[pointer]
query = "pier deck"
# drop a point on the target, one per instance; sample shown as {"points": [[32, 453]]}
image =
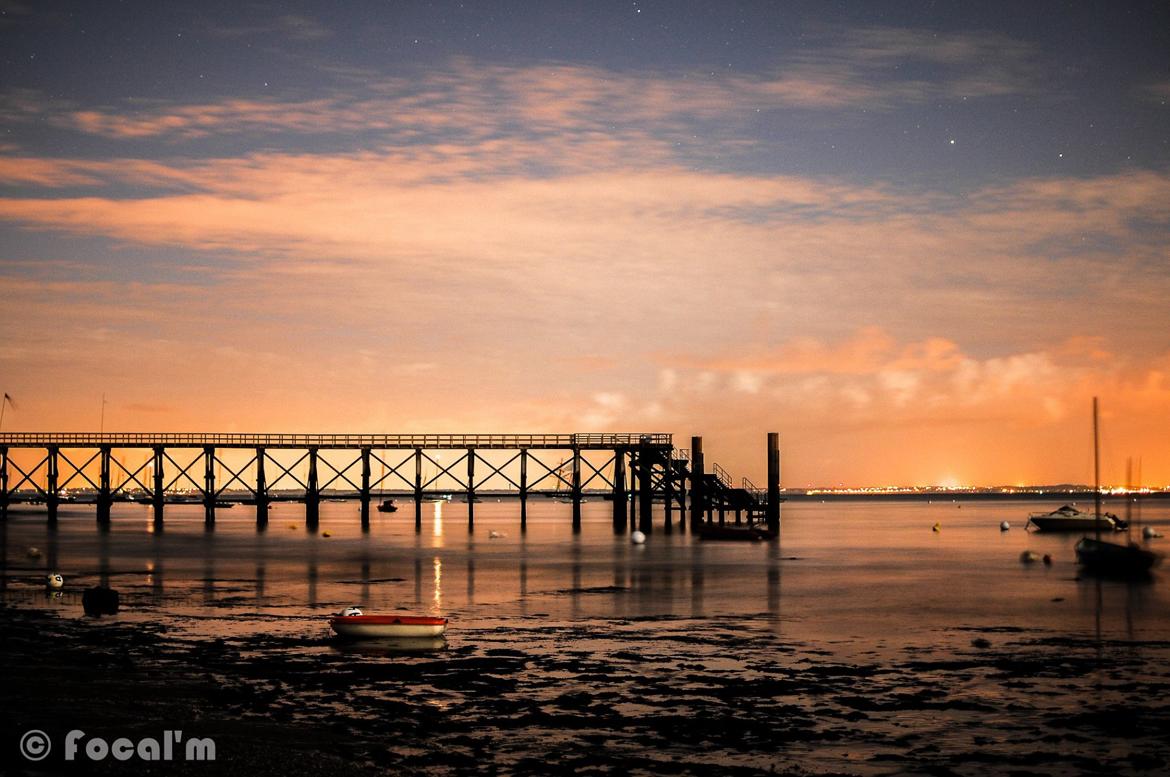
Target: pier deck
{"points": [[636, 469]]}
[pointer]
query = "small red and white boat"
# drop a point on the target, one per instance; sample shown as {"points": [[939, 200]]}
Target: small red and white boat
{"points": [[351, 622]]}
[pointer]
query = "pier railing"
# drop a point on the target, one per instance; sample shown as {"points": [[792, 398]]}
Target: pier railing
{"points": [[586, 441]]}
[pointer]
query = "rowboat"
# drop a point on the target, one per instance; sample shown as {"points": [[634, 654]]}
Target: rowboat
{"points": [[352, 623]]}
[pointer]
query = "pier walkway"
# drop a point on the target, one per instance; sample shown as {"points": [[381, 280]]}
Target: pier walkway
{"points": [[633, 470]]}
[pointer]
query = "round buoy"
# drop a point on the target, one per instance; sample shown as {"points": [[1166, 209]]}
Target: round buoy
{"points": [[496, 535], [292, 526], [1047, 560], [1149, 533], [936, 527], [1029, 557], [34, 552], [326, 534], [56, 581], [638, 538], [1005, 526]]}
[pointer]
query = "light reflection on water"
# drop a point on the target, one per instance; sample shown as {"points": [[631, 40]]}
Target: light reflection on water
{"points": [[861, 573]]}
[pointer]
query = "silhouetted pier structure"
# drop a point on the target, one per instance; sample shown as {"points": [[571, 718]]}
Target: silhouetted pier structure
{"points": [[635, 471]]}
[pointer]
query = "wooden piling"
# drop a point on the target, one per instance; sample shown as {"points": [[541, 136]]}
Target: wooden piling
{"points": [[773, 509], [209, 486], [3, 484], [418, 489], [523, 489], [576, 488], [52, 492], [157, 495], [470, 489], [697, 474], [103, 498], [365, 495], [645, 490], [632, 503], [620, 501], [261, 490], [667, 490], [312, 495]]}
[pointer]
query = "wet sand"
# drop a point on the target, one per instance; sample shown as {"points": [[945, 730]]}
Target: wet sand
{"points": [[633, 696]]}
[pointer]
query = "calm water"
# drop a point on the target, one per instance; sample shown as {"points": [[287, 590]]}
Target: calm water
{"points": [[855, 577]]}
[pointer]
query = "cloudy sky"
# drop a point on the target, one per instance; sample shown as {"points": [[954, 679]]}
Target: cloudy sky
{"points": [[913, 238]]}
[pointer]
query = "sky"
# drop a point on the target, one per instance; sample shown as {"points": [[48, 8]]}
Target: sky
{"points": [[913, 238]]}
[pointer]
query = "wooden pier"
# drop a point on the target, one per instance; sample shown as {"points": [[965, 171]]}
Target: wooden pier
{"points": [[633, 470]]}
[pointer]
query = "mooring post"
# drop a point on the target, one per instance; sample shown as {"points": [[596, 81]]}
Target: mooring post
{"points": [[645, 488], [418, 489], [523, 489], [774, 482], [209, 486], [682, 496], [620, 501], [3, 484], [261, 490], [365, 486], [470, 489], [576, 489], [159, 452], [697, 495], [312, 495], [103, 498]]}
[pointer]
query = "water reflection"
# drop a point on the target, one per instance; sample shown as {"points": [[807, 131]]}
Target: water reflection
{"points": [[103, 555], [391, 646], [774, 581], [418, 596], [437, 524], [697, 610], [208, 570], [437, 603], [470, 580]]}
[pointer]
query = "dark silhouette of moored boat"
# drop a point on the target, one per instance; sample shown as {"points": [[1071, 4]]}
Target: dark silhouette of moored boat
{"points": [[1069, 518]]}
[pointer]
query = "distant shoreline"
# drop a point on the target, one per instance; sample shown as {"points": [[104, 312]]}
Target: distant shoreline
{"points": [[967, 496]]}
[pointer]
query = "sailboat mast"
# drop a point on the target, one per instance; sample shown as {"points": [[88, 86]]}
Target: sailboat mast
{"points": [[1096, 477]]}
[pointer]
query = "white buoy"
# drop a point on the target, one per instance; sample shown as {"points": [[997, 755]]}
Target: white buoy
{"points": [[1149, 533], [496, 535], [638, 538], [1005, 526], [56, 581]]}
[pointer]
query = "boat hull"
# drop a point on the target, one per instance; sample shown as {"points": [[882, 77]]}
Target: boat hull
{"points": [[387, 626], [1112, 558], [1056, 523]]}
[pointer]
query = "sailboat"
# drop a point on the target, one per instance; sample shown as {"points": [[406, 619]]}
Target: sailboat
{"points": [[1110, 559]]}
